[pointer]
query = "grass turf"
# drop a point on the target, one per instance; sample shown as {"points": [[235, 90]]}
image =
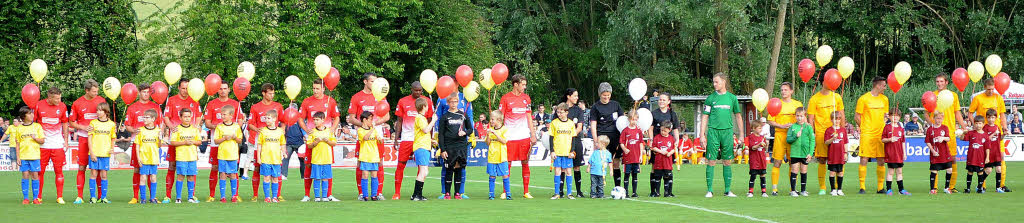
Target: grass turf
{"points": [[690, 205]]}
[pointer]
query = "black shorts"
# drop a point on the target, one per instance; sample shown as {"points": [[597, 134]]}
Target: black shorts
{"points": [[613, 145], [974, 169], [658, 174], [757, 172], [577, 147], [794, 160], [835, 167], [455, 160], [993, 164], [632, 168], [941, 166], [894, 165]]}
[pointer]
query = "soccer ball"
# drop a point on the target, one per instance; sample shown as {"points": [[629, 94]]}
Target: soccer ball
{"points": [[618, 193]]}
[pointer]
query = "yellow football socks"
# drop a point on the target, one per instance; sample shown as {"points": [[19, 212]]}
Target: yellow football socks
{"points": [[863, 172]]}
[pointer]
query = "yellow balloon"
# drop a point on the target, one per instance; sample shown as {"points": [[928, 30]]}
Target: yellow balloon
{"points": [[845, 67], [485, 79], [322, 65], [902, 71], [824, 55], [993, 64], [292, 86], [172, 73], [944, 100], [38, 70], [975, 70], [196, 89], [428, 79], [380, 88], [471, 91], [246, 70], [760, 98], [112, 88]]}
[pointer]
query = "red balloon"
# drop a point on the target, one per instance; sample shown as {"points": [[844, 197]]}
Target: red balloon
{"points": [[332, 78], [241, 88], [290, 116], [158, 91], [960, 78], [499, 72], [212, 84], [382, 108], [128, 93], [806, 69], [893, 83], [833, 79], [445, 86], [30, 94], [464, 75], [774, 106], [928, 99], [1002, 82]]}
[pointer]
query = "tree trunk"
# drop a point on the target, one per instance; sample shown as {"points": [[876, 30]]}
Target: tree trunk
{"points": [[721, 49], [773, 66]]}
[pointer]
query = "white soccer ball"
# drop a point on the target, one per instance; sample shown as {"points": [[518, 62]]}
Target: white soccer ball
{"points": [[618, 193]]}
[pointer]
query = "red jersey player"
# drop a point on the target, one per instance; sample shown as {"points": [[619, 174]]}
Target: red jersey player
{"points": [[894, 139], [976, 153], [995, 154], [83, 111], [133, 121], [405, 111], [256, 122], [171, 120], [364, 101], [212, 118], [51, 114], [937, 137], [663, 145], [756, 145], [632, 143], [515, 106], [836, 138]]}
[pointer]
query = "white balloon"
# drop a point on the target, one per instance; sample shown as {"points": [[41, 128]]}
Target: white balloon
{"points": [[322, 65], [644, 118], [246, 70], [621, 123], [637, 89]]}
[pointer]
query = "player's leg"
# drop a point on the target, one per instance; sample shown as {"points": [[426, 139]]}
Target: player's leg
{"points": [[727, 161], [793, 168], [714, 147], [170, 177], [58, 173], [899, 180], [380, 173], [404, 153], [949, 175], [931, 180], [307, 180], [880, 171], [803, 178], [822, 174], [888, 180], [655, 181], [92, 185], [215, 177], [179, 180], [558, 181], [44, 160], [83, 162], [457, 174]]}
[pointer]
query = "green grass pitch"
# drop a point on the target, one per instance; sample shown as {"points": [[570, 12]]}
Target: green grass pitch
{"points": [[690, 205]]}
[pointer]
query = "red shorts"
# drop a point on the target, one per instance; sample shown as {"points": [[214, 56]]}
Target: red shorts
{"points": [[308, 154], [519, 150], [51, 155], [83, 151], [171, 154], [404, 151], [213, 155], [135, 158]]}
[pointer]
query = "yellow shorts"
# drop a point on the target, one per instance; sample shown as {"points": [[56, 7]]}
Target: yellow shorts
{"points": [[952, 146], [820, 149], [872, 148], [780, 149]]}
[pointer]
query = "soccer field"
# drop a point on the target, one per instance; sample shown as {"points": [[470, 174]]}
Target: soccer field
{"points": [[689, 205]]}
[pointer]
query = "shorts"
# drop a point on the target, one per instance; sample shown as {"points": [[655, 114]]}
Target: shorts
{"points": [[795, 160], [228, 166], [780, 149], [614, 145], [872, 148], [171, 155], [29, 166], [894, 165], [422, 157], [146, 169], [993, 164], [321, 171], [974, 169], [186, 168], [820, 149], [940, 166], [497, 169], [835, 168], [270, 170], [52, 155], [577, 147], [213, 156], [519, 150], [83, 151], [757, 172], [405, 152], [101, 163], [562, 162], [631, 168], [455, 160], [367, 166], [719, 145]]}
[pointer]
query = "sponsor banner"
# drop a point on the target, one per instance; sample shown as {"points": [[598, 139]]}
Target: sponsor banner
{"points": [[917, 151]]}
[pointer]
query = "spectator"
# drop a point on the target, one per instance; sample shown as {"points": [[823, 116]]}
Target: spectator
{"points": [[124, 138], [1016, 125], [481, 127], [541, 116], [585, 116], [1014, 111], [913, 126], [294, 138]]}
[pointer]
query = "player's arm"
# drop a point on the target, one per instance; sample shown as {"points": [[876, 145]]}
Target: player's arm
{"points": [[533, 129], [168, 121], [856, 117], [351, 119], [593, 125], [704, 130], [738, 118]]}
